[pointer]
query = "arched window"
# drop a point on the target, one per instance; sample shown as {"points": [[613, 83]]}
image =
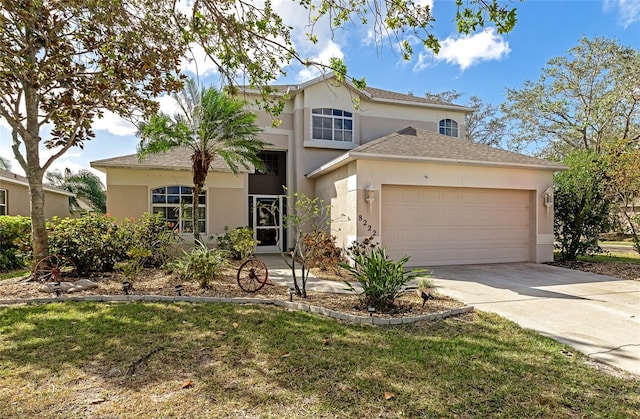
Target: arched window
{"points": [[448, 127], [175, 205], [332, 124]]}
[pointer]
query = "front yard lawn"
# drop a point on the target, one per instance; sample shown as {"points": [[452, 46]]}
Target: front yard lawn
{"points": [[218, 360]]}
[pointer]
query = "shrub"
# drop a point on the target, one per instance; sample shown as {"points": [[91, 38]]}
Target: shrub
{"points": [[15, 231], [200, 264], [322, 251], [381, 278], [239, 242], [149, 236], [91, 242]]}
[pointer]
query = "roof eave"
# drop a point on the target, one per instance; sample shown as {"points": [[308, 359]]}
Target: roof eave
{"points": [[159, 167], [331, 165], [44, 186], [425, 105], [351, 156], [368, 156]]}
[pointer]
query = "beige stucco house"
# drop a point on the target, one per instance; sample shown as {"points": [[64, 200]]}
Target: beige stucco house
{"points": [[15, 199], [391, 165]]}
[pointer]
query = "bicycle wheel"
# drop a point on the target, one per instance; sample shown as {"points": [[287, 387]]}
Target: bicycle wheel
{"points": [[252, 275], [52, 268]]}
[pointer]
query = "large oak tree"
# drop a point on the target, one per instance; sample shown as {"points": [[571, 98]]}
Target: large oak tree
{"points": [[63, 63], [581, 101]]}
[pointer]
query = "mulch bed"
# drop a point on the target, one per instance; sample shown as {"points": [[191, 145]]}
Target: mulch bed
{"points": [[158, 282]]}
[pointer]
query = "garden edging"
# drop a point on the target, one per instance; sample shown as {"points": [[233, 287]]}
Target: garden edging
{"points": [[300, 306]]}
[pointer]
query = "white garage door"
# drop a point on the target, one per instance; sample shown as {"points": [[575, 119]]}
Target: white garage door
{"points": [[444, 226]]}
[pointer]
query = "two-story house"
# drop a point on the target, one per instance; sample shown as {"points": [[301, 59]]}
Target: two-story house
{"points": [[392, 166]]}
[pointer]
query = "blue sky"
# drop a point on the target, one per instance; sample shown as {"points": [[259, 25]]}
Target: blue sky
{"points": [[484, 64]]}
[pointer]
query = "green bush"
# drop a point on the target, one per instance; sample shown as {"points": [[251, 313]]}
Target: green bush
{"points": [[381, 278], [91, 242], [15, 231], [239, 242], [200, 264], [149, 235]]}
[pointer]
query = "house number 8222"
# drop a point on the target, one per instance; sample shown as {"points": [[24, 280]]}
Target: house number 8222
{"points": [[367, 225]]}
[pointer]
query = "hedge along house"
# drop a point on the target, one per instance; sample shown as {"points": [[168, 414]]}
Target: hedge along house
{"points": [[15, 198], [394, 167]]}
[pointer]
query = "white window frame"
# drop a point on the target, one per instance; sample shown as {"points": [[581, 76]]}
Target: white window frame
{"points": [[448, 127], [3, 202], [337, 119], [174, 201]]}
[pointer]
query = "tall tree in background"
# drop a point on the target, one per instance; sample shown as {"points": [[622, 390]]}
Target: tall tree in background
{"points": [[5, 164], [63, 63], [210, 123], [581, 101], [86, 187], [484, 125]]}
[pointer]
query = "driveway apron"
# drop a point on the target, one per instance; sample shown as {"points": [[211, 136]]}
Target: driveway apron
{"points": [[596, 314]]}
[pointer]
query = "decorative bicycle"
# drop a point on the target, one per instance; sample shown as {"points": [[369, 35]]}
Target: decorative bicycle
{"points": [[52, 267], [253, 274]]}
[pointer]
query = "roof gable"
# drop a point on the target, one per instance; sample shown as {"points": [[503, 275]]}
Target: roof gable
{"points": [[373, 94], [415, 144]]}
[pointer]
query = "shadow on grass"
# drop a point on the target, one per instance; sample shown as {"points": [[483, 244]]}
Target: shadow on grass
{"points": [[270, 361]]}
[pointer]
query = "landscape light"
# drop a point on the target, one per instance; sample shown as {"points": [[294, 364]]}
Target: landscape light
{"points": [[179, 289], [126, 287]]}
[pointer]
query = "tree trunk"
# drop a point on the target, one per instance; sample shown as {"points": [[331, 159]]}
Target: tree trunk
{"points": [[38, 221], [195, 216]]}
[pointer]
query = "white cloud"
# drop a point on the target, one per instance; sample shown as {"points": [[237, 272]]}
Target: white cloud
{"points": [[198, 63], [332, 50], [629, 10], [467, 51], [114, 124]]}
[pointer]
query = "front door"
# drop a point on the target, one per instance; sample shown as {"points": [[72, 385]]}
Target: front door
{"points": [[266, 220]]}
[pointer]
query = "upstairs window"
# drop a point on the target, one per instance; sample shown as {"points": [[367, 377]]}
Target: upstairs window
{"points": [[3, 202], [175, 205], [448, 127], [332, 124]]}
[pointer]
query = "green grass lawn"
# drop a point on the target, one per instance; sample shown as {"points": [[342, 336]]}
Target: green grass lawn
{"points": [[13, 274], [217, 360], [613, 256]]}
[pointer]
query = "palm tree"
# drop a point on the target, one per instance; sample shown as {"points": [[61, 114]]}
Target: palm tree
{"points": [[85, 185], [5, 163], [209, 122]]}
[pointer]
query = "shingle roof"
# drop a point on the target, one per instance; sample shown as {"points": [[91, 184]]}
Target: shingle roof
{"points": [[7, 176], [175, 159], [414, 144], [375, 93]]}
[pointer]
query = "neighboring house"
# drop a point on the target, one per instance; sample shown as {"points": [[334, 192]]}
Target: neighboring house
{"points": [[15, 198], [395, 167]]}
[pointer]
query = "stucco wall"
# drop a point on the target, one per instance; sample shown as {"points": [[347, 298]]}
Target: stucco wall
{"points": [[373, 174], [334, 189], [372, 120], [19, 201], [129, 194]]}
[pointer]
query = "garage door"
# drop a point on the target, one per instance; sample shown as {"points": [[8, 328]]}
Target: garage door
{"points": [[443, 226]]}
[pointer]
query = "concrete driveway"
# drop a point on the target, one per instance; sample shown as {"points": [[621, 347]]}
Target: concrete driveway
{"points": [[596, 314]]}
